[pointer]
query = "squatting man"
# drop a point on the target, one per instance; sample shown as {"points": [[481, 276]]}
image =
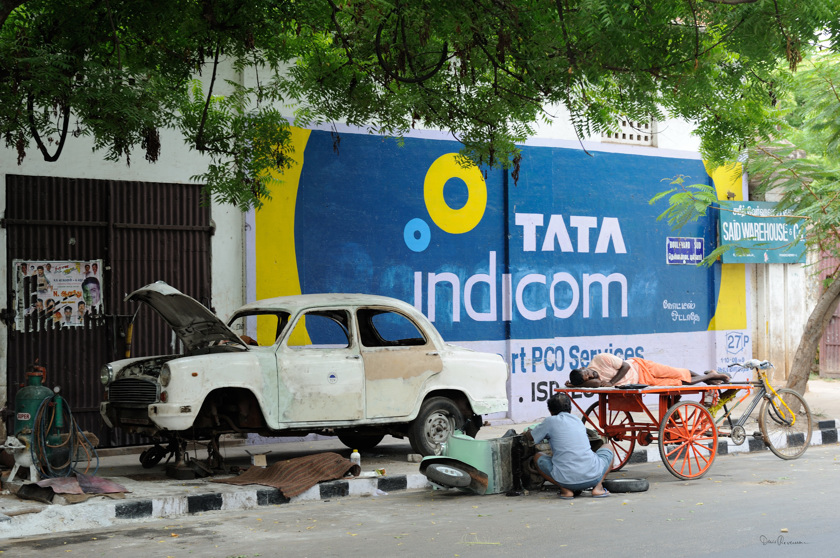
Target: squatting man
{"points": [[573, 465]]}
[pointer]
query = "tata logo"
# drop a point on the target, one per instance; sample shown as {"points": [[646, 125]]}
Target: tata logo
{"points": [[533, 296], [736, 342]]}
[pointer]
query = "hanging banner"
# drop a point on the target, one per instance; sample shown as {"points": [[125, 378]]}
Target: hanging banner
{"points": [[56, 293], [755, 226]]}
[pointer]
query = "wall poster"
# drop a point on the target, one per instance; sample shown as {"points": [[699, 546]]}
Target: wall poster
{"points": [[56, 293]]}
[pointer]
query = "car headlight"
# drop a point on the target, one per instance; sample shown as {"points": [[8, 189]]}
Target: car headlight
{"points": [[165, 375], [106, 374]]}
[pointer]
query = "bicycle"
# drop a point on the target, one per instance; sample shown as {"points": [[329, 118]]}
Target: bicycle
{"points": [[784, 418]]}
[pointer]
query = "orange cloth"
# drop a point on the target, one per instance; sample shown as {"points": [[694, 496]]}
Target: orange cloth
{"points": [[655, 374]]}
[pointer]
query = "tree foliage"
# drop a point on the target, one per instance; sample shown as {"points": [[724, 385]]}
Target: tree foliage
{"points": [[803, 166], [800, 165], [120, 71]]}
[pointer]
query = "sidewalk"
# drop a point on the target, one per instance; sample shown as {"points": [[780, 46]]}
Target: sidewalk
{"points": [[153, 495]]}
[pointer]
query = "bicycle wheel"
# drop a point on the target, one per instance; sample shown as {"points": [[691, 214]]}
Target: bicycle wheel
{"points": [[688, 440], [787, 435], [623, 439]]}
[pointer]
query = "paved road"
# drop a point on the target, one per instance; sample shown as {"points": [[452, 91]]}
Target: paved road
{"points": [[748, 505]]}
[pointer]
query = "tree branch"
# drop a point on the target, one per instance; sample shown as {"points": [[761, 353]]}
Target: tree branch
{"points": [[65, 113], [114, 32], [814, 327], [199, 137]]}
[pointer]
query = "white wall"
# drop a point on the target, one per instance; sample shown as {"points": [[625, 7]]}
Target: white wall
{"points": [[670, 135], [784, 295]]}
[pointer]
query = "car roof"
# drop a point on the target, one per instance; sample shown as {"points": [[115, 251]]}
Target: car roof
{"points": [[295, 303]]}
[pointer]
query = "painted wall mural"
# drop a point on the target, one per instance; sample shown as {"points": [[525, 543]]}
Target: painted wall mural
{"points": [[548, 270]]}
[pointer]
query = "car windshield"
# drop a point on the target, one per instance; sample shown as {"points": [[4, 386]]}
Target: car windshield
{"points": [[259, 328]]}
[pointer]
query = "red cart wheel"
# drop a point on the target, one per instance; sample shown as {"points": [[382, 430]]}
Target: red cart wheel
{"points": [[688, 440], [622, 435]]}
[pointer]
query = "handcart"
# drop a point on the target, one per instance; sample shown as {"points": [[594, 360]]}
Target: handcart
{"points": [[686, 430]]}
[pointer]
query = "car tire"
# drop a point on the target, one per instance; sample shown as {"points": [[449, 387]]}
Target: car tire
{"points": [[447, 476], [359, 441], [152, 456], [435, 423], [626, 485]]}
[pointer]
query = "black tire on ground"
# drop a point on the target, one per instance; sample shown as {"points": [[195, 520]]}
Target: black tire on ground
{"points": [[359, 441], [447, 475], [152, 456], [435, 423], [626, 485]]}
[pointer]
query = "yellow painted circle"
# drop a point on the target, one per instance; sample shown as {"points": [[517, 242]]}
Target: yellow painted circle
{"points": [[454, 221]]}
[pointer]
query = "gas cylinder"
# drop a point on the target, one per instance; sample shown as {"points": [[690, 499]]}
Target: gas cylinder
{"points": [[29, 399]]}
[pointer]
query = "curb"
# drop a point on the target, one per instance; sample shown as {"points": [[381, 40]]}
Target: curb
{"points": [[250, 498], [825, 433]]}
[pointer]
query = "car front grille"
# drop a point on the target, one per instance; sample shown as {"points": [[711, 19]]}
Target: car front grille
{"points": [[133, 391]]}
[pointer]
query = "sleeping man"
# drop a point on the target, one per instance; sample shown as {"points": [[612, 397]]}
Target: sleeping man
{"points": [[607, 370]]}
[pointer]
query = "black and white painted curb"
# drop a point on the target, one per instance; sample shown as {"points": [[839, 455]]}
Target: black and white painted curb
{"points": [[104, 513], [248, 497], [826, 433]]}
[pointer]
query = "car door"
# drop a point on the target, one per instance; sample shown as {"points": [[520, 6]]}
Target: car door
{"points": [[399, 360], [321, 370]]}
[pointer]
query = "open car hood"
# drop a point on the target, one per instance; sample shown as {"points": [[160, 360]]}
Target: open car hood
{"points": [[195, 325]]}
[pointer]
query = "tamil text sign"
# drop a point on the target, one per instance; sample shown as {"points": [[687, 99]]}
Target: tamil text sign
{"points": [[756, 227]]}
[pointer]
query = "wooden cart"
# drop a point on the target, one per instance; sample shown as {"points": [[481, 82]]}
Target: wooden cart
{"points": [[685, 429]]}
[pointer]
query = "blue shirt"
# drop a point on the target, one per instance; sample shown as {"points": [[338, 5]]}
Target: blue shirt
{"points": [[573, 460]]}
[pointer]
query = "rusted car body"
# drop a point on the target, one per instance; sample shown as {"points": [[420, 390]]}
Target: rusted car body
{"points": [[352, 365]]}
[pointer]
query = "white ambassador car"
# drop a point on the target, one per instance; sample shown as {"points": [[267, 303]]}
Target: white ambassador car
{"points": [[352, 365]]}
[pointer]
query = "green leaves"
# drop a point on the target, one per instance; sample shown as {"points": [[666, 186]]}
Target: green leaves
{"points": [[801, 167], [686, 203], [485, 71], [247, 149]]}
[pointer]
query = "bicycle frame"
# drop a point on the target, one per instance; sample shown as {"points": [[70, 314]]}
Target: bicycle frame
{"points": [[763, 389]]}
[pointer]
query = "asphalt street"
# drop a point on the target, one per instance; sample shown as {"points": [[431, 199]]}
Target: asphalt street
{"points": [[751, 504], [153, 498]]}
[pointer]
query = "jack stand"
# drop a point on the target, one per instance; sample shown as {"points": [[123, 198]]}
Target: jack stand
{"points": [[186, 468], [180, 469]]}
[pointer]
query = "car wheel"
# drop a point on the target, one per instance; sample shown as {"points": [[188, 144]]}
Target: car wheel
{"points": [[359, 441], [437, 420], [626, 485], [446, 475]]}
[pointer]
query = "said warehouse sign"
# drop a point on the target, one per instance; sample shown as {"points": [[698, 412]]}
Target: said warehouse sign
{"points": [[766, 236]]}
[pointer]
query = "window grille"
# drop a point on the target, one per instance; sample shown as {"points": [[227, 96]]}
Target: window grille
{"points": [[633, 132]]}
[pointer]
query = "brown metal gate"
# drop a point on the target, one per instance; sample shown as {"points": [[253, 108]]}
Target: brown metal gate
{"points": [[142, 232], [830, 342]]}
